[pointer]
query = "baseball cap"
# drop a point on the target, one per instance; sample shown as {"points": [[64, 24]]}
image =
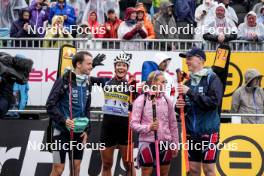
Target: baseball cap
{"points": [[194, 52]]}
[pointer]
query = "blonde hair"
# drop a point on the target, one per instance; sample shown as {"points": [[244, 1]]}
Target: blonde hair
{"points": [[153, 77], [56, 18]]}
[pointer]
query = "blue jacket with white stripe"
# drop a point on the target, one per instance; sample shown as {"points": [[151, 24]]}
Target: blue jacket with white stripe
{"points": [[58, 101]]}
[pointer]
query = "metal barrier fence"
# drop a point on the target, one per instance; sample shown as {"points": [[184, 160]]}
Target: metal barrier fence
{"points": [[235, 117], [117, 44]]}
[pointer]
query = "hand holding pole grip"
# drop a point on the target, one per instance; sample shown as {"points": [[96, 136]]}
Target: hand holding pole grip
{"points": [[180, 76]]}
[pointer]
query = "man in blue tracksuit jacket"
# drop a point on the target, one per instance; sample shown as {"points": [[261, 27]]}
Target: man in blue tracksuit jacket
{"points": [[203, 97], [59, 111], [61, 8]]}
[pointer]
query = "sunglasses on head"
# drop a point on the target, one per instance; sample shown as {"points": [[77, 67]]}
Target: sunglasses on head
{"points": [[164, 82], [156, 74]]}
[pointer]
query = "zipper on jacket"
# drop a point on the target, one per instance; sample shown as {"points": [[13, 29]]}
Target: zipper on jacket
{"points": [[194, 118], [37, 19], [194, 112], [82, 99]]}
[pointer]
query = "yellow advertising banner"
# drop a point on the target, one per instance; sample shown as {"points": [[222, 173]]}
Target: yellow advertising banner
{"points": [[239, 63], [247, 157], [241, 153]]}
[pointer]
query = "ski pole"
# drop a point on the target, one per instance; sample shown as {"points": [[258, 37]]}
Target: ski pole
{"points": [[130, 145], [153, 98], [184, 139], [72, 173]]}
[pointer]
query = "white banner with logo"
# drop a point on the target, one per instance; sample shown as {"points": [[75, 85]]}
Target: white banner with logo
{"points": [[45, 66]]}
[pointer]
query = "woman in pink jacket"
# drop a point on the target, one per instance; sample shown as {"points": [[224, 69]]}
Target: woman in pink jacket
{"points": [[165, 125]]}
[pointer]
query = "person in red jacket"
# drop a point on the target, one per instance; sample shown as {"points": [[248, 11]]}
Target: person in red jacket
{"points": [[94, 26], [112, 24], [131, 29]]}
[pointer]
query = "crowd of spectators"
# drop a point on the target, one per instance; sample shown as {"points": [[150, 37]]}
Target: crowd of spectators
{"points": [[136, 19]]}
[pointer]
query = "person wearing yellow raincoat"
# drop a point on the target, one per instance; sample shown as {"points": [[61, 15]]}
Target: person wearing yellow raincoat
{"points": [[57, 31]]}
